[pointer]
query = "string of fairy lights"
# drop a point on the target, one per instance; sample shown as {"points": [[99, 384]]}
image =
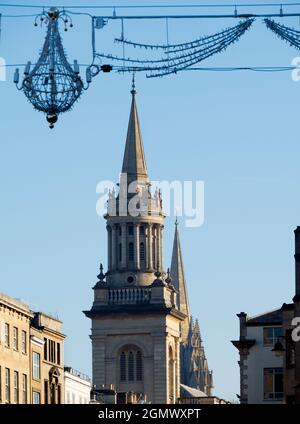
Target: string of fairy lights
{"points": [[52, 84]]}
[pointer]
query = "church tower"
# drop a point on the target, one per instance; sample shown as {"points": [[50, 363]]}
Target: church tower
{"points": [[135, 319]]}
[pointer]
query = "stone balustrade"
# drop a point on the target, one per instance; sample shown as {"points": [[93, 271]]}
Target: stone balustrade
{"points": [[129, 296]]}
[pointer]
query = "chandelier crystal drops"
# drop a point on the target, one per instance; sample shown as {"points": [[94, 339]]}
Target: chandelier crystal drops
{"points": [[53, 85]]}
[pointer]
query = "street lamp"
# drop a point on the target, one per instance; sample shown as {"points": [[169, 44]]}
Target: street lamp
{"points": [[278, 348]]}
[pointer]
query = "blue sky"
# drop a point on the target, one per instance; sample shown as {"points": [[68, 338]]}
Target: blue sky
{"points": [[236, 131]]}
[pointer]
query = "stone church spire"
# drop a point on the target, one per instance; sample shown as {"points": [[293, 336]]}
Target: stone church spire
{"points": [[136, 323], [178, 279], [134, 216], [134, 163]]}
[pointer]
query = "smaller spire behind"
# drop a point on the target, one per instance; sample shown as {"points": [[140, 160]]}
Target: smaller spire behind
{"points": [[178, 279]]}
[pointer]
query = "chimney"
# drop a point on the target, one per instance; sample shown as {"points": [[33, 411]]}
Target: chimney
{"points": [[297, 261], [243, 328]]}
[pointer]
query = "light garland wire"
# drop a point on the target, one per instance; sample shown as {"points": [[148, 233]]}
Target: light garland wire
{"points": [[189, 53], [288, 34]]}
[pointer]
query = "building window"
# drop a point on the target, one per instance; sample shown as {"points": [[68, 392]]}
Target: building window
{"points": [[7, 385], [15, 338], [36, 397], [58, 353], [131, 365], [46, 392], [51, 351], [142, 230], [24, 342], [36, 367], [131, 252], [6, 335], [45, 349], [123, 366], [16, 387], [142, 251], [273, 383], [120, 252], [139, 366], [271, 335], [130, 230], [24, 388]]}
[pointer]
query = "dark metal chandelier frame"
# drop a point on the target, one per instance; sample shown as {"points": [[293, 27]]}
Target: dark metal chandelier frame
{"points": [[53, 85]]}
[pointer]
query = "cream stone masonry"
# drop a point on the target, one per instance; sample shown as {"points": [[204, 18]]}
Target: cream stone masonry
{"points": [[31, 355]]}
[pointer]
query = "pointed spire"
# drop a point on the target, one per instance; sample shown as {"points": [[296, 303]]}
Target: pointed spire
{"points": [[134, 163], [178, 279]]}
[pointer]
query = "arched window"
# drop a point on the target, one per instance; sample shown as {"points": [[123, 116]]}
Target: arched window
{"points": [[131, 252], [142, 251], [131, 364], [139, 366], [123, 366]]}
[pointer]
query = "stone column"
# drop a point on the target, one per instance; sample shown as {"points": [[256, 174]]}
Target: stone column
{"points": [[149, 252], [158, 246], [161, 227], [124, 245], [137, 246], [114, 248], [108, 228], [154, 246]]}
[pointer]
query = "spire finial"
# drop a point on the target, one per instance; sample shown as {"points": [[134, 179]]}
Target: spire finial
{"points": [[101, 276], [176, 220], [133, 90]]}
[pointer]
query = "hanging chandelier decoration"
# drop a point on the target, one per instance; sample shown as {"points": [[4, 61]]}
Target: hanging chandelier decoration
{"points": [[53, 85], [177, 57], [288, 34]]}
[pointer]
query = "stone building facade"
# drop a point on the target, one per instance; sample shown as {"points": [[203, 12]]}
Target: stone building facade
{"points": [[77, 387], [31, 355], [269, 356], [290, 346], [137, 322]]}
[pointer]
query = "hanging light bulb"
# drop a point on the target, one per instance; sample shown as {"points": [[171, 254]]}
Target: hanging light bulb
{"points": [[52, 86]]}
